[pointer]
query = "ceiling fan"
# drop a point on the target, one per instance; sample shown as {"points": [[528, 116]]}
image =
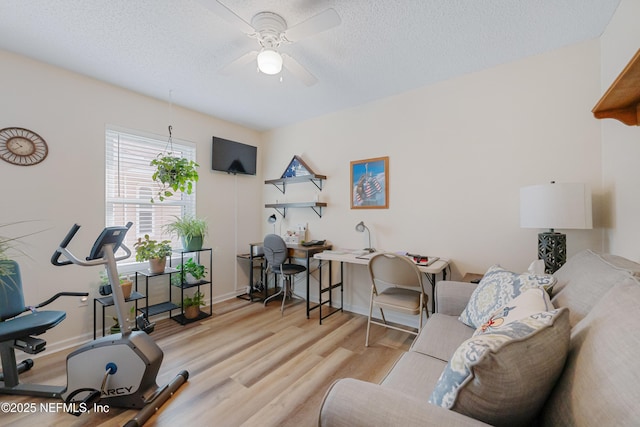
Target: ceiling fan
{"points": [[271, 31]]}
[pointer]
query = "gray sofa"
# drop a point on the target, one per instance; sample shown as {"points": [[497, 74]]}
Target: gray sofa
{"points": [[599, 379]]}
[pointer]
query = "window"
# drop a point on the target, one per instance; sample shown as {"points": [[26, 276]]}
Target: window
{"points": [[129, 186]]}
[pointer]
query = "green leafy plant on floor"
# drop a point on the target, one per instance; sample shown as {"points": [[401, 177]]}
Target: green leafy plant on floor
{"points": [[7, 245]]}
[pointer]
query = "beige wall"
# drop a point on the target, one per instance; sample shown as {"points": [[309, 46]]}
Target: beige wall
{"points": [[621, 143], [70, 112], [459, 152]]}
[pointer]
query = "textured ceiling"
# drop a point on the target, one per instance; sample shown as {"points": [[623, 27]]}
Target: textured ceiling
{"points": [[174, 49]]}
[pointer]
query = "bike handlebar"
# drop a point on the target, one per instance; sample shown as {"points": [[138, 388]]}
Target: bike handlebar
{"points": [[71, 259], [55, 258]]}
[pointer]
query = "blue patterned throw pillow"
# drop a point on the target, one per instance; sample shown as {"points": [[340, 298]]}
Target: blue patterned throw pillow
{"points": [[496, 289], [504, 377]]}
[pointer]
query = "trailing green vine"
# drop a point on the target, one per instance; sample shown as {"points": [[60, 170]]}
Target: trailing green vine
{"points": [[174, 174]]}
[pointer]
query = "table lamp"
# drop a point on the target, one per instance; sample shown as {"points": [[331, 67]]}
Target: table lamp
{"points": [[272, 220], [563, 206], [360, 227]]}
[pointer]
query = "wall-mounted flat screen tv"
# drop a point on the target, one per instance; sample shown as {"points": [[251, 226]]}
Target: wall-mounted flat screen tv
{"points": [[233, 157]]}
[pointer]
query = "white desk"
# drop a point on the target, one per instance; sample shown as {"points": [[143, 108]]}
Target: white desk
{"points": [[431, 271]]}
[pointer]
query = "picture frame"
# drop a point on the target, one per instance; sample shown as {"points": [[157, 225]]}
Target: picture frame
{"points": [[370, 183]]}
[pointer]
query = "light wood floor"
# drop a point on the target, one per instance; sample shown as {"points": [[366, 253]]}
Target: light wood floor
{"points": [[248, 365]]}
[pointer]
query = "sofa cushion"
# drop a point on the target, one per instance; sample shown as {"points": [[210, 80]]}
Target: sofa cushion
{"points": [[585, 278], [599, 385], [415, 374], [496, 289], [529, 302], [504, 377], [441, 336]]}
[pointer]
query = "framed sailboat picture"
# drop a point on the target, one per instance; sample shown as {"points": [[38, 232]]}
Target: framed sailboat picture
{"points": [[370, 183]]}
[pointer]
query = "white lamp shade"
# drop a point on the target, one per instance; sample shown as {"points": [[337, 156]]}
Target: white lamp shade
{"points": [[557, 205], [269, 61]]}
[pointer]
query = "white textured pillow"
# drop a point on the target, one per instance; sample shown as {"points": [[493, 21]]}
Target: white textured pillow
{"points": [[503, 378], [529, 302], [496, 289]]}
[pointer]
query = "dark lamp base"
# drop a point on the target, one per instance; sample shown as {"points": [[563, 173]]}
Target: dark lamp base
{"points": [[552, 249]]}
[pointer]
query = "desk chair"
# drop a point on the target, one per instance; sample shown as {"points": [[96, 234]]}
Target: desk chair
{"points": [[16, 332], [402, 289], [276, 253]]}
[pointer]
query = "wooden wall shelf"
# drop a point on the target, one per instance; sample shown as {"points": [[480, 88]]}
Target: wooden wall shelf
{"points": [[281, 183], [622, 99], [281, 208]]}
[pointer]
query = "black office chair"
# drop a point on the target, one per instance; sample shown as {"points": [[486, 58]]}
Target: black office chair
{"points": [[276, 253], [16, 331]]}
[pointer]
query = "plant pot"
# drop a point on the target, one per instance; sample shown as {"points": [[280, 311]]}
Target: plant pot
{"points": [[190, 279], [126, 286], [195, 244], [192, 312], [115, 328], [157, 265]]}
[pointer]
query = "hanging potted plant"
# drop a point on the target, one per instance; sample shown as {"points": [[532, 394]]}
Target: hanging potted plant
{"points": [[192, 272], [173, 173], [191, 305], [190, 229], [153, 251]]}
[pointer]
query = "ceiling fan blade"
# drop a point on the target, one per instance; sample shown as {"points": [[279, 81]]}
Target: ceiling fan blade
{"points": [[239, 63], [298, 70], [228, 15], [316, 24]]}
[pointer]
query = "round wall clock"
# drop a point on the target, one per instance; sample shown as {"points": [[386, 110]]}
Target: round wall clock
{"points": [[22, 147]]}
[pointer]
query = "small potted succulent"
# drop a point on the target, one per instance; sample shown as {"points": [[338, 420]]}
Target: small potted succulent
{"points": [[173, 174], [153, 251], [191, 305], [190, 229], [192, 272]]}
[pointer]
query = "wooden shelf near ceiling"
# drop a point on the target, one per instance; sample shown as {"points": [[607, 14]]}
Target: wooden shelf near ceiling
{"points": [[622, 99]]}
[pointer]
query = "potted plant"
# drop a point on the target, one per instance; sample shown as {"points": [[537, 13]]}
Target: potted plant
{"points": [[6, 268], [173, 174], [192, 272], [116, 329], [153, 251], [190, 229], [6, 248], [125, 283], [191, 305]]}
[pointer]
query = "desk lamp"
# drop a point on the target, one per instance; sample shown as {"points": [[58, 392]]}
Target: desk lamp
{"points": [[360, 227], [555, 206], [272, 220]]}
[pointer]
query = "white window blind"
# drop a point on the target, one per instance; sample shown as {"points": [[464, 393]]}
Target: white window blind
{"points": [[129, 187]]}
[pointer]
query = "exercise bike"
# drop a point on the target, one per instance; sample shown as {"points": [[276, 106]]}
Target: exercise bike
{"points": [[117, 370]]}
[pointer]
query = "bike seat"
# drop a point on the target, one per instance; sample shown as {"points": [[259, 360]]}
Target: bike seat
{"points": [[30, 324]]}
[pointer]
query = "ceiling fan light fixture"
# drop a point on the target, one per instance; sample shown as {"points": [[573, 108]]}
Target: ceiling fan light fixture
{"points": [[269, 61]]}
